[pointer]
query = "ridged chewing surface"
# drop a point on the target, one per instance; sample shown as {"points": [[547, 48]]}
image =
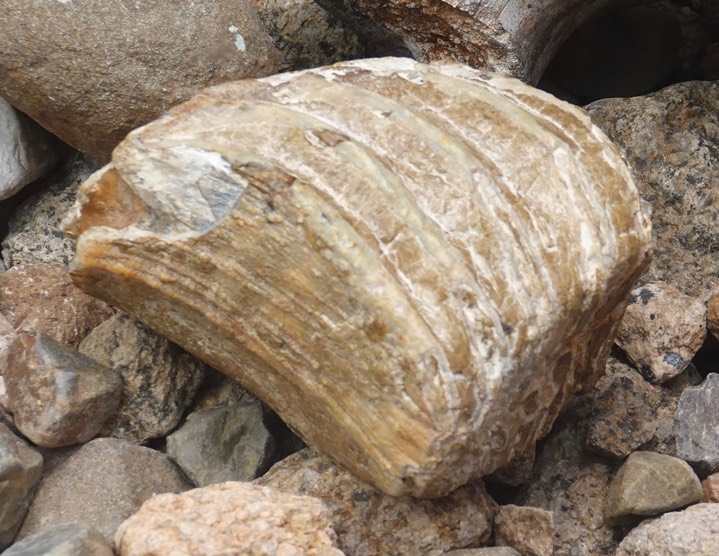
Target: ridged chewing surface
{"points": [[413, 265]]}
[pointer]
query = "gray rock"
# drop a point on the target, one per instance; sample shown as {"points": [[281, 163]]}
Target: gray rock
{"points": [[651, 484], [110, 67], [669, 139], [27, 151], [66, 539], [713, 316], [696, 425], [102, 483], [623, 412], [487, 551], [516, 472], [7, 336], [219, 390], [20, 470], [160, 379], [662, 330], [58, 396], [224, 444], [691, 532], [529, 530], [33, 235]]}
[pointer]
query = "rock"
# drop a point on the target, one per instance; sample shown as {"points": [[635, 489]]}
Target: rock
{"points": [[20, 470], [7, 337], [224, 444], [102, 483], [58, 396], [692, 531], [27, 151], [229, 518], [696, 425], [159, 378], [41, 298], [662, 330], [669, 140], [66, 539], [113, 67], [711, 488], [516, 472], [219, 390], [369, 522], [401, 289], [487, 551], [624, 410], [651, 484], [529, 530], [713, 316], [516, 38], [34, 236], [306, 35]]}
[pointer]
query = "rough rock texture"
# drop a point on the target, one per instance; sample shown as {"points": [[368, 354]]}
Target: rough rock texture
{"points": [[696, 425], [487, 551], [41, 298], [102, 483], [713, 316], [711, 488], [229, 518], [306, 35], [7, 337], [624, 410], [110, 67], [27, 151], [363, 240], [514, 37], [651, 484], [225, 444], [66, 539], [662, 330], [58, 396], [219, 390], [694, 531], [20, 470], [159, 378], [529, 530], [369, 522], [670, 140], [516, 472], [34, 234]]}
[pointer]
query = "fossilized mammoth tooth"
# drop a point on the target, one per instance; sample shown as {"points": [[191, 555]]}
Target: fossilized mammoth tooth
{"points": [[413, 265]]}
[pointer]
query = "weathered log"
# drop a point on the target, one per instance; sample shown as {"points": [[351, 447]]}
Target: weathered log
{"points": [[413, 265], [512, 36]]}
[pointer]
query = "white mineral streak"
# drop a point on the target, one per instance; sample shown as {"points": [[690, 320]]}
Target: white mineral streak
{"points": [[413, 265]]}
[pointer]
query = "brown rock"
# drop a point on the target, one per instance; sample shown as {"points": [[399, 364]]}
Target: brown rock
{"points": [[515, 37], [369, 522], [66, 539], [159, 378], [662, 330], [92, 71], [331, 222], [486, 551], [668, 139], [7, 336], [102, 483], [58, 396], [529, 530], [228, 518], [713, 316], [711, 488], [41, 298]]}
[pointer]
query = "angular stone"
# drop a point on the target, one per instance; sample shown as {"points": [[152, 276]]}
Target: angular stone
{"points": [[27, 151], [352, 241], [159, 378], [693, 531], [529, 530], [369, 522], [306, 35], [114, 67], [696, 425], [518, 38], [228, 518], [516, 472], [7, 337], [651, 484], [102, 483], [487, 551], [219, 390], [34, 235], [41, 298], [669, 140], [623, 412], [224, 444], [20, 471], [711, 488], [58, 396], [713, 316], [662, 330], [66, 539]]}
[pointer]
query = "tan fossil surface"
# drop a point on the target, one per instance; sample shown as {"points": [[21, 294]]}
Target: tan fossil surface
{"points": [[413, 265]]}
